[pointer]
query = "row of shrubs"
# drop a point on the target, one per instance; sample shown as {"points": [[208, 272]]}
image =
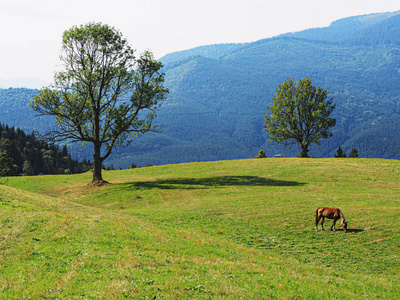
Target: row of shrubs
{"points": [[339, 153]]}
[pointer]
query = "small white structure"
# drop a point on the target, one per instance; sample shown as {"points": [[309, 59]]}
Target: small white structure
{"points": [[279, 155]]}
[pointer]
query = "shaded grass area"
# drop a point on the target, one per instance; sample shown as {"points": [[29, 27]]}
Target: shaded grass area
{"points": [[234, 229], [214, 182]]}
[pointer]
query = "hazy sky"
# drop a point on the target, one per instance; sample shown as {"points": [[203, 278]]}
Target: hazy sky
{"points": [[31, 30]]}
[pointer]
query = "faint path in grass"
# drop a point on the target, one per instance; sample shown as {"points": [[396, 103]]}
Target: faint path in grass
{"points": [[354, 230]]}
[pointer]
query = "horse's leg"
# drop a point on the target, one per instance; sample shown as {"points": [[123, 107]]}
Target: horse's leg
{"points": [[316, 221], [333, 225], [322, 223]]}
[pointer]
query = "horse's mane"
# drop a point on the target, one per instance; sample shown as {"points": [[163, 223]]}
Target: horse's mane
{"points": [[342, 219]]}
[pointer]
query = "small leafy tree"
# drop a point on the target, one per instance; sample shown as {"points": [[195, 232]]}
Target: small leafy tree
{"points": [[354, 153], [300, 113], [261, 154], [340, 152], [132, 166], [104, 96]]}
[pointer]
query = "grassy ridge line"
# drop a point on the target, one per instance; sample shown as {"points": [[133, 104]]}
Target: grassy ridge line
{"points": [[200, 230]]}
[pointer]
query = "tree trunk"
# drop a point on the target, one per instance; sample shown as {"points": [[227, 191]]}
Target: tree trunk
{"points": [[97, 162], [304, 150]]}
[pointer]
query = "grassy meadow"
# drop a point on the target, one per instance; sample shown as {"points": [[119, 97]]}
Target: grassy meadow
{"points": [[239, 229]]}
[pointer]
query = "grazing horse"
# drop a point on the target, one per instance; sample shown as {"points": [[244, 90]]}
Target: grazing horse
{"points": [[330, 213]]}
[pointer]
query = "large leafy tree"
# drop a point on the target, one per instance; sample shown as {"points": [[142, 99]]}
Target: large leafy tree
{"points": [[104, 95], [300, 113]]}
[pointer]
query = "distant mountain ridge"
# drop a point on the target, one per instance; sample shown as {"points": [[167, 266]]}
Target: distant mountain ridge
{"points": [[30, 83], [218, 94], [340, 31], [344, 29]]}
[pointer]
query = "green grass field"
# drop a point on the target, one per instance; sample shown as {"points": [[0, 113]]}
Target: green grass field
{"points": [[218, 230]]}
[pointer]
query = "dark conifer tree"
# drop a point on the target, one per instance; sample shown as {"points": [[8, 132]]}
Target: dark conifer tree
{"points": [[354, 153], [340, 152]]}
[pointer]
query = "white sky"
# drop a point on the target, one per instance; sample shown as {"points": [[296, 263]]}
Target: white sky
{"points": [[31, 30]]}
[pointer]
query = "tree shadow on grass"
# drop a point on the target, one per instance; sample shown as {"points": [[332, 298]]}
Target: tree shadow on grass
{"points": [[209, 182]]}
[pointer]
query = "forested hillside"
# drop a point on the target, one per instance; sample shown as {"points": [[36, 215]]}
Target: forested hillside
{"points": [[218, 95], [23, 154]]}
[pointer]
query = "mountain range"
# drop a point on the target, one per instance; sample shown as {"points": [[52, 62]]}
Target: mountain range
{"points": [[30, 83], [218, 95]]}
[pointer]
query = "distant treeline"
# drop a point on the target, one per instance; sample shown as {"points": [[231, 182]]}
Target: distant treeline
{"points": [[24, 154]]}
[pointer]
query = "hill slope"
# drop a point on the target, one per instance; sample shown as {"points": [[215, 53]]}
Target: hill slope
{"points": [[218, 95], [226, 229]]}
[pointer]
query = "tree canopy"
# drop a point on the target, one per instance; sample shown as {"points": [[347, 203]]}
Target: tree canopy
{"points": [[105, 95], [300, 113]]}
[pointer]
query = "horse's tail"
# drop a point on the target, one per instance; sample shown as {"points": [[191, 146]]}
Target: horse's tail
{"points": [[316, 216]]}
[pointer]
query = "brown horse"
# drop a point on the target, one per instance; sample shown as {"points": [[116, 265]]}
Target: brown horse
{"points": [[330, 213]]}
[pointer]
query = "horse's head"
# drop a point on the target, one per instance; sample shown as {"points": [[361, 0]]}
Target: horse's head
{"points": [[344, 224]]}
